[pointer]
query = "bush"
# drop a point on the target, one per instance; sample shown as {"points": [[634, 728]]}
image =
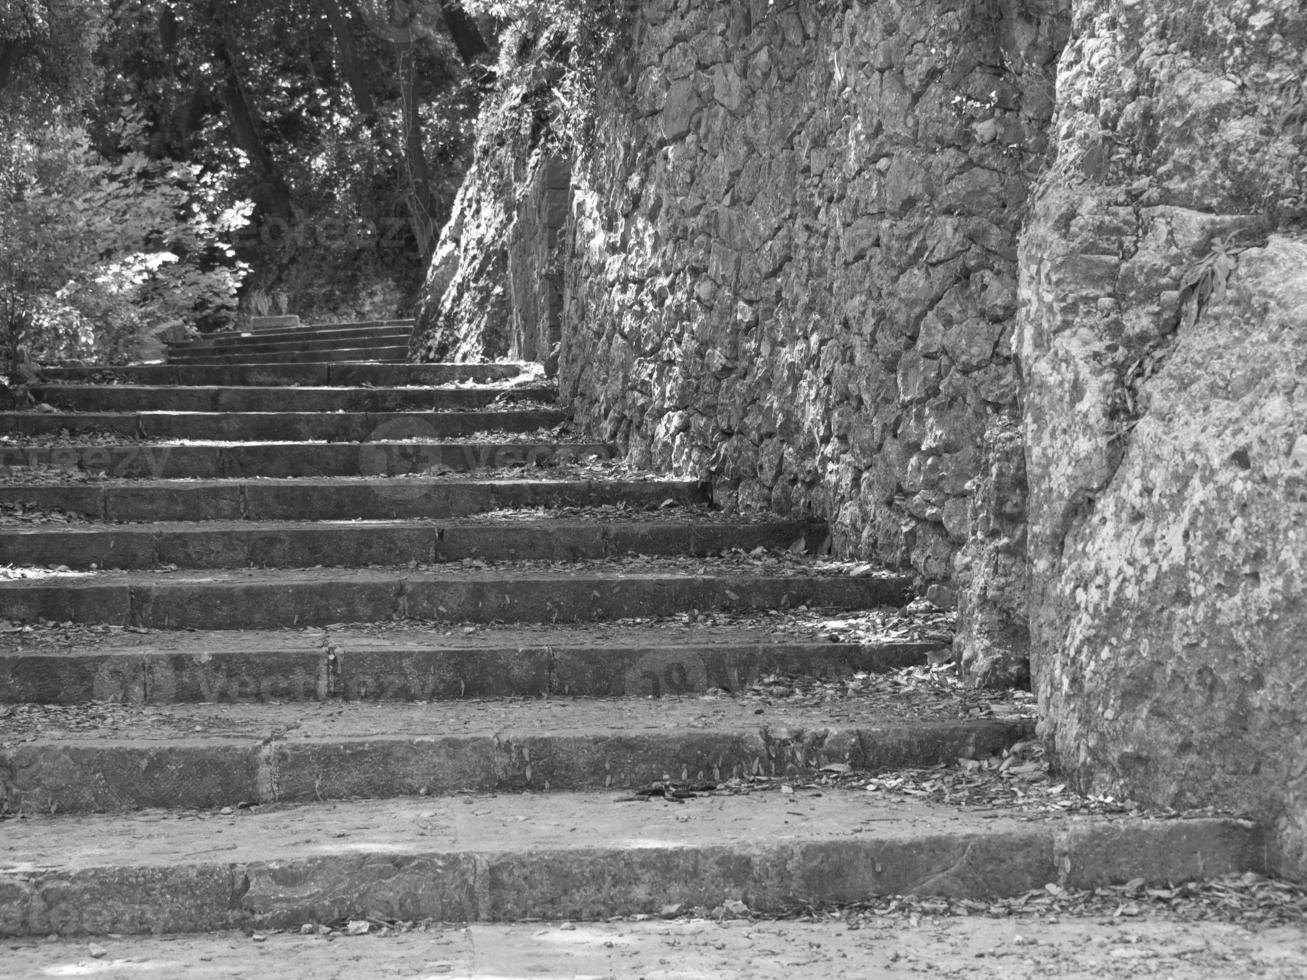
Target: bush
{"points": [[96, 254]]}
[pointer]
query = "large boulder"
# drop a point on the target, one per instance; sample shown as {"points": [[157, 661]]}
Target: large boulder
{"points": [[1163, 335]]}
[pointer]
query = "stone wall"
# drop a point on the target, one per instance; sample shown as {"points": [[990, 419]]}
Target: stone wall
{"points": [[793, 268], [1163, 339], [848, 259]]}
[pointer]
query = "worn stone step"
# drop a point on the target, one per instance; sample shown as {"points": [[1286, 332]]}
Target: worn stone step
{"points": [[263, 325], [302, 544], [291, 459], [361, 353], [320, 332], [575, 856], [257, 598], [327, 498], [321, 373], [336, 426], [214, 398], [389, 663], [207, 755], [306, 341]]}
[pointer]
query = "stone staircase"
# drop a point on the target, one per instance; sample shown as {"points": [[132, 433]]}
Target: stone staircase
{"points": [[284, 340], [291, 643]]}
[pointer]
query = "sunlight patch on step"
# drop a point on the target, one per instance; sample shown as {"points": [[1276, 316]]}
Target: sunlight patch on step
{"points": [[170, 968], [12, 572]]}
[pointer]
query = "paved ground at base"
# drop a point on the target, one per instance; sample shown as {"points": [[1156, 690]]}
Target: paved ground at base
{"points": [[972, 947]]}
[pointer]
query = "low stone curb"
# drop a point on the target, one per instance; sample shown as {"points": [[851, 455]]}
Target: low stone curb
{"points": [[114, 775], [285, 459], [210, 398], [575, 857], [260, 600], [304, 338], [271, 544], [378, 498], [395, 353], [372, 672], [316, 373], [282, 426]]}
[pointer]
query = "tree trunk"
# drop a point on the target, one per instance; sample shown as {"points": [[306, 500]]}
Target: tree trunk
{"points": [[421, 201], [245, 126], [463, 29], [349, 61], [11, 52]]}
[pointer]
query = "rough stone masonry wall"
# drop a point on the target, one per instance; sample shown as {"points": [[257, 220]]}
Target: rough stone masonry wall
{"points": [[1163, 341], [793, 267]]}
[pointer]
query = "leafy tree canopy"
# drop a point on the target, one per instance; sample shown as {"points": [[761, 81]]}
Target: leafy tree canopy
{"points": [[177, 162]]}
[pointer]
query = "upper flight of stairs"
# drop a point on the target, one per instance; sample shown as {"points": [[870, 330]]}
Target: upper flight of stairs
{"points": [[301, 642], [367, 340]]}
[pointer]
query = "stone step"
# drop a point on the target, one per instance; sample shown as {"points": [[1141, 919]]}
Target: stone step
{"points": [[209, 755], [393, 663], [213, 398], [284, 544], [361, 353], [282, 426], [305, 341], [321, 373], [370, 498], [290, 459], [258, 599], [326, 332], [573, 856], [273, 327], [276, 321]]}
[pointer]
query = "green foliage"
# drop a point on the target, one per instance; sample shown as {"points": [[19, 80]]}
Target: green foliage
{"points": [[47, 52], [95, 252], [347, 122], [139, 135], [550, 55]]}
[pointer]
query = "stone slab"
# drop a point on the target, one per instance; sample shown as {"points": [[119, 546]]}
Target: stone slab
{"points": [[397, 662], [397, 353], [290, 459], [251, 339], [204, 755], [260, 599], [290, 374], [576, 856], [335, 426], [214, 398], [374, 498], [381, 673], [312, 340], [281, 544], [64, 598]]}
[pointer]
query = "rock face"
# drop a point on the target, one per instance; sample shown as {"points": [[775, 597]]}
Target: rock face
{"points": [[854, 260], [793, 267], [1163, 337], [494, 287]]}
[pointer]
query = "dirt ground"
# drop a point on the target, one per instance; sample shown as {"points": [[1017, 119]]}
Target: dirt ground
{"points": [[1094, 948]]}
